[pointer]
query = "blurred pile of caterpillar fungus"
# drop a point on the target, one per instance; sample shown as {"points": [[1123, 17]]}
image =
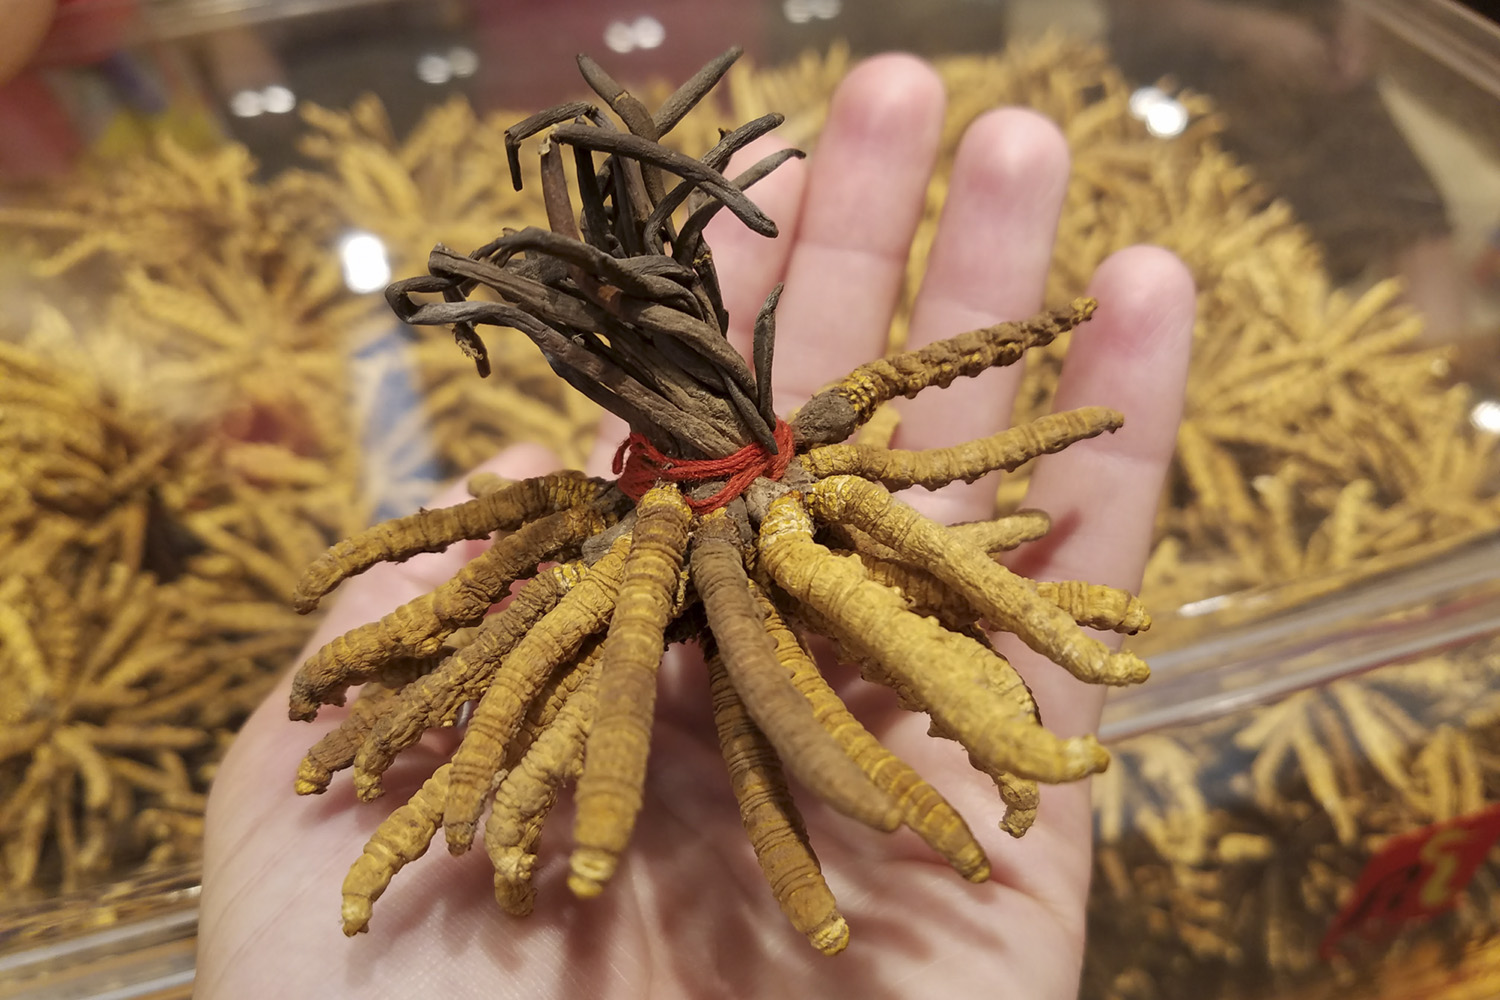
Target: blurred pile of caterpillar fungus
{"points": [[221, 380]]}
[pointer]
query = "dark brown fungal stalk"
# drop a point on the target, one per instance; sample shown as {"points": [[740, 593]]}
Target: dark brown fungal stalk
{"points": [[726, 525]]}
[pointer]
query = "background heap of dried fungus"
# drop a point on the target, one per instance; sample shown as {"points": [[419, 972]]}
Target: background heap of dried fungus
{"points": [[192, 405]]}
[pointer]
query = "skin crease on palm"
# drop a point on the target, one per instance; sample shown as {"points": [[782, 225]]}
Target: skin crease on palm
{"points": [[688, 914]]}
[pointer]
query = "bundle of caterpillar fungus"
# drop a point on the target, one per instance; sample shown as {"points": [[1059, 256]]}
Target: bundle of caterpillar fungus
{"points": [[726, 525]]}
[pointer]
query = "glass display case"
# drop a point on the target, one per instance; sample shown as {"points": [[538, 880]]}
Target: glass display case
{"points": [[201, 387]]}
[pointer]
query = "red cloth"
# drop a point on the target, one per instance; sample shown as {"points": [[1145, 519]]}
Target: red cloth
{"points": [[645, 467]]}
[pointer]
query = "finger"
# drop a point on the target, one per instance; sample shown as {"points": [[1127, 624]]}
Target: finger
{"points": [[1103, 493], [748, 265], [988, 264], [865, 192], [612, 431]]}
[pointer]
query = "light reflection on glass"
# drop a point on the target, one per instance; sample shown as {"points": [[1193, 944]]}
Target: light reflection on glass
{"points": [[278, 100], [275, 99], [1207, 605], [644, 32], [463, 60], [1142, 100], [803, 11], [1163, 114], [366, 266], [247, 104], [1486, 416], [1166, 119], [434, 68], [649, 33], [619, 37]]}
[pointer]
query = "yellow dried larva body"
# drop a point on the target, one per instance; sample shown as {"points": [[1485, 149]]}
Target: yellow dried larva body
{"points": [[923, 808], [835, 413], [781, 713], [611, 788], [529, 789], [402, 838], [1005, 599], [435, 698], [937, 467], [419, 627], [434, 530], [925, 594], [337, 749], [1003, 533], [772, 821], [554, 640], [1095, 605], [946, 671]]}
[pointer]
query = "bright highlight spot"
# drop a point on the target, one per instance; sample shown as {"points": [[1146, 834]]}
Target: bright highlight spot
{"points": [[649, 33], [1166, 119], [644, 32], [247, 104], [803, 11], [1163, 114], [1486, 416], [434, 68], [464, 61], [366, 266], [275, 99], [278, 100]]}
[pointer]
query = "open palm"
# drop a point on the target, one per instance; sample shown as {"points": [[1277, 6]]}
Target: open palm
{"points": [[689, 914]]}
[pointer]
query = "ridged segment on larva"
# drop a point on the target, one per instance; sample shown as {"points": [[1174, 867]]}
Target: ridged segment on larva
{"points": [[1098, 606], [786, 718], [950, 674], [1008, 601], [419, 627], [933, 468], [337, 749], [400, 840], [529, 790], [771, 820], [1003, 533], [833, 414], [434, 530], [554, 640], [432, 700], [611, 788], [923, 808]]}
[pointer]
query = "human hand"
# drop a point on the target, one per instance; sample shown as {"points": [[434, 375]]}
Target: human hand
{"points": [[688, 913]]}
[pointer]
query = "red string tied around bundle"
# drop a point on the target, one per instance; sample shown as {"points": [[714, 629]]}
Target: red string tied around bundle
{"points": [[646, 466]]}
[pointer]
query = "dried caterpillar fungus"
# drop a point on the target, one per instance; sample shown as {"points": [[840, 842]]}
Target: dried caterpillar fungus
{"points": [[1291, 475], [726, 524]]}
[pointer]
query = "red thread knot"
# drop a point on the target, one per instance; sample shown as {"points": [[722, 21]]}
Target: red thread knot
{"points": [[645, 467]]}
